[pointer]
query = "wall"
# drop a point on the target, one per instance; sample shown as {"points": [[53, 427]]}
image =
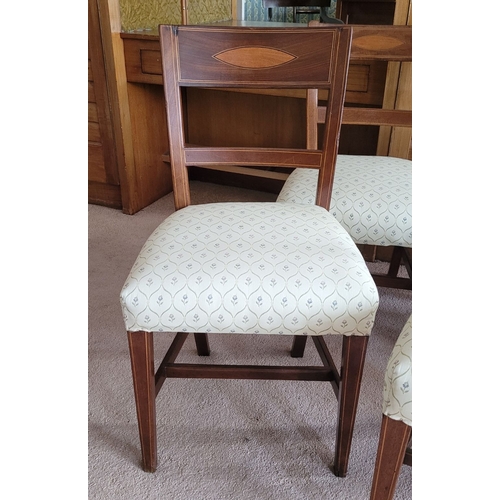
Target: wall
{"points": [[147, 14]]}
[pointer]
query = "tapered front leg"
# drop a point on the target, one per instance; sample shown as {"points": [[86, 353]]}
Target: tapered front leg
{"points": [[351, 372], [394, 439], [143, 373]]}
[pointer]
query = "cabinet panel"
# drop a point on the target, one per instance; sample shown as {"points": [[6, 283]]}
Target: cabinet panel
{"points": [[93, 116], [102, 161], [96, 161], [94, 133], [365, 84], [366, 12]]}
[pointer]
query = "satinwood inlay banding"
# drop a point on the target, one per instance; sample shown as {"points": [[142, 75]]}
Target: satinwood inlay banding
{"points": [[254, 57]]}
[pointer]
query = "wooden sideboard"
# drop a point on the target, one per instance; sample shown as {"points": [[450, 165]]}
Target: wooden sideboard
{"points": [[103, 174], [133, 173], [127, 125]]}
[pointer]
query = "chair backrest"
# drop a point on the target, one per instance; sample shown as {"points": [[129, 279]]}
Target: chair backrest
{"points": [[249, 58], [384, 43]]}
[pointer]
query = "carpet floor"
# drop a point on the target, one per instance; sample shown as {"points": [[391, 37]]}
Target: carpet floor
{"points": [[219, 439]]}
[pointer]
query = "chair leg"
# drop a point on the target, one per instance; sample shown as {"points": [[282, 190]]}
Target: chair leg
{"points": [[407, 261], [298, 346], [394, 438], [143, 374], [397, 256], [353, 361], [369, 252], [202, 345]]}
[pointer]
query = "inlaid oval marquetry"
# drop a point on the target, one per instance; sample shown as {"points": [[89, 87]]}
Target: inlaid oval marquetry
{"points": [[376, 42], [254, 57]]}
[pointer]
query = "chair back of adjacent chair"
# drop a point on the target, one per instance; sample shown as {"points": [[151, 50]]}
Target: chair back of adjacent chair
{"points": [[382, 43], [232, 57]]}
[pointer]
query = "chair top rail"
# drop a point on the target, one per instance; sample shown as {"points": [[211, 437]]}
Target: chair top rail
{"points": [[380, 42], [251, 57]]}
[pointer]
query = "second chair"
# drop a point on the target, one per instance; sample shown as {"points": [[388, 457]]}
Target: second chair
{"points": [[372, 195]]}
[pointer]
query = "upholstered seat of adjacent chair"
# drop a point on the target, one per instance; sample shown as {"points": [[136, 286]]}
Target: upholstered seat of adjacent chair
{"points": [[394, 447], [250, 268], [372, 197], [397, 393]]}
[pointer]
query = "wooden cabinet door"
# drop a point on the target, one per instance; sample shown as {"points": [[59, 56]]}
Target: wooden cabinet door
{"points": [[366, 11], [102, 162]]}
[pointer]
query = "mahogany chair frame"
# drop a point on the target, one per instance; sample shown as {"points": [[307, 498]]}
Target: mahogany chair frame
{"points": [[393, 451], [191, 56], [382, 43]]}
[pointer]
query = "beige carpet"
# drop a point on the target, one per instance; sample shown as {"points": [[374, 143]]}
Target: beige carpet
{"points": [[221, 440]]}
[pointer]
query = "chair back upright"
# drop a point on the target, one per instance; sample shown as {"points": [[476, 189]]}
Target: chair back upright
{"points": [[254, 58]]}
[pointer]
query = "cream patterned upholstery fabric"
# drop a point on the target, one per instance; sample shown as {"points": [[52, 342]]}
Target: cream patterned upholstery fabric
{"points": [[277, 268], [371, 197], [397, 383]]}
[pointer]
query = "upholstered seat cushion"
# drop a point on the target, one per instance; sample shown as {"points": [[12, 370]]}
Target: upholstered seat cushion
{"points": [[397, 382], [278, 268], [371, 197]]}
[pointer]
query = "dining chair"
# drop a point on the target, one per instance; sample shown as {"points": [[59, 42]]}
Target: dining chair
{"points": [[372, 195], [394, 447], [250, 268]]}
